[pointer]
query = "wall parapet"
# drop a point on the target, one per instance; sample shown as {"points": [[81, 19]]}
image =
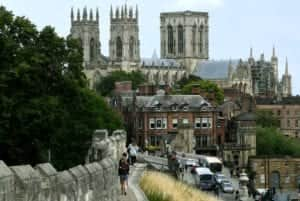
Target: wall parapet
{"points": [[97, 180]]}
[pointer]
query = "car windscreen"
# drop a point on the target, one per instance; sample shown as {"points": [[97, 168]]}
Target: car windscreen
{"points": [[205, 177]]}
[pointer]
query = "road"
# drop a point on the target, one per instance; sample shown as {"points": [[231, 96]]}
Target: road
{"points": [[190, 179]]}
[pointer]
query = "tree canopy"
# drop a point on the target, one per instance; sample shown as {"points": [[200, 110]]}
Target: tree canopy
{"points": [[205, 86], [265, 118], [45, 105], [270, 141], [107, 84]]}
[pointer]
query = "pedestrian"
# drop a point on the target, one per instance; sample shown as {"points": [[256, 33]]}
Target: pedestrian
{"points": [[123, 173], [216, 190], [237, 196], [181, 171], [231, 172], [133, 152]]}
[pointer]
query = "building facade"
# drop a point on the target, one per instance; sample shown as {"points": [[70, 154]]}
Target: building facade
{"points": [[287, 110], [276, 172], [255, 77]]}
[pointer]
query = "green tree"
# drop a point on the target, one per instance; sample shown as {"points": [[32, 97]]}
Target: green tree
{"points": [[107, 84], [44, 100], [205, 86], [266, 118], [270, 141]]}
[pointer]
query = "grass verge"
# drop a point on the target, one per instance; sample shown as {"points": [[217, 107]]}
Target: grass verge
{"points": [[161, 187]]}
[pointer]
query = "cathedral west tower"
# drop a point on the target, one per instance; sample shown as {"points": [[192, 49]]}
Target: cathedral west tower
{"points": [[124, 43], [86, 29]]}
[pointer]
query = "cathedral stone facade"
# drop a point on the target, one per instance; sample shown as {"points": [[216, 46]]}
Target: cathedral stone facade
{"points": [[184, 51]]}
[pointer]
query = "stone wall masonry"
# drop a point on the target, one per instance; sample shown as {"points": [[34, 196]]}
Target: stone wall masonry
{"points": [[97, 180]]}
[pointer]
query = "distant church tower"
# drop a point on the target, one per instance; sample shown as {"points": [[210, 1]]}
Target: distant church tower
{"points": [[286, 82], [274, 62], [86, 29], [124, 43], [184, 37]]}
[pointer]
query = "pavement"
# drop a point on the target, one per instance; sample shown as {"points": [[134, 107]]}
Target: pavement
{"points": [[134, 193]]}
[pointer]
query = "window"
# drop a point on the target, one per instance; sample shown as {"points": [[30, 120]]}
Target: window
{"points": [[174, 107], [297, 123], [278, 112], [119, 47], [185, 108], [158, 123], [180, 39], [152, 123], [201, 39], [131, 47], [92, 49], [204, 141], [155, 140], [164, 123], [288, 123], [174, 123], [170, 40], [140, 123], [194, 39], [287, 112], [185, 121], [204, 123], [198, 123]]}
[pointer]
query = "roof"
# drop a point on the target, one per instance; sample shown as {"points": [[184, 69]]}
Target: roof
{"points": [[247, 116], [46, 169], [211, 159], [203, 170], [4, 170], [187, 12], [293, 100], [193, 101], [161, 63], [214, 69], [25, 172]]}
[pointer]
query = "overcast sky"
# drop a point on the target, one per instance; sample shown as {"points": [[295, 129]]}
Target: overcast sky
{"points": [[235, 25]]}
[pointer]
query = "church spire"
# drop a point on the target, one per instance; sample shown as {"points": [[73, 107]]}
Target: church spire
{"points": [[91, 15], [111, 12], [136, 13], [251, 52], [97, 14], [125, 12], [273, 54], [78, 14], [72, 15], [84, 15], [286, 66]]}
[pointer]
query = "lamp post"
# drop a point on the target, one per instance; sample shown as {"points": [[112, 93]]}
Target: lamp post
{"points": [[243, 189]]}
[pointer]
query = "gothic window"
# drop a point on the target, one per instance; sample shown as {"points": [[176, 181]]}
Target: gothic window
{"points": [[180, 39], [201, 39], [119, 47], [131, 47], [194, 39], [92, 49], [170, 40]]}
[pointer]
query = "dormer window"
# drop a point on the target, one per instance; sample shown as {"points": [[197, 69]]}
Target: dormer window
{"points": [[174, 107], [185, 108]]}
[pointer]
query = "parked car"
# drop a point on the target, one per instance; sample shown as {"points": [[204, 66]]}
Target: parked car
{"points": [[191, 162], [227, 187], [219, 178]]}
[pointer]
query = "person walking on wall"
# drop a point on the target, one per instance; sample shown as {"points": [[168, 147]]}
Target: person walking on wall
{"points": [[133, 149], [123, 173]]}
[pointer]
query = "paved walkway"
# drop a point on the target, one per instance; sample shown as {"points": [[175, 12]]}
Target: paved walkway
{"points": [[134, 193]]}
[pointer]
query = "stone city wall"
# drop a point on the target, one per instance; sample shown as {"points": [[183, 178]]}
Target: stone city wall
{"points": [[95, 181]]}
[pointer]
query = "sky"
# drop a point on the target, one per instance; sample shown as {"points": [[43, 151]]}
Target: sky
{"points": [[235, 25]]}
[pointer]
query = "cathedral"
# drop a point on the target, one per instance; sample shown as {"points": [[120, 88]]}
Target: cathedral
{"points": [[184, 50]]}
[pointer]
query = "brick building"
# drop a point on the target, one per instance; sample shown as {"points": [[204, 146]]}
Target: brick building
{"points": [[287, 110], [154, 120]]}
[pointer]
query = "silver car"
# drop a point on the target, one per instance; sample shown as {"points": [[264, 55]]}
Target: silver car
{"points": [[227, 187]]}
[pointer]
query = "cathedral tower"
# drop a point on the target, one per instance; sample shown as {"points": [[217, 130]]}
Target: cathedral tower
{"points": [[85, 27], [274, 62], [184, 37], [124, 43], [286, 82]]}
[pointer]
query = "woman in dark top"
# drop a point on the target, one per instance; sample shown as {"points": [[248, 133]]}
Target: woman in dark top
{"points": [[123, 173]]}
